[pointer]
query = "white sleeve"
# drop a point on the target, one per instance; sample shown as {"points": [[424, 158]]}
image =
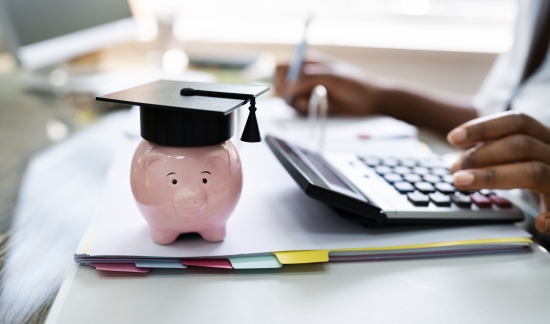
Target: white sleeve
{"points": [[505, 75]]}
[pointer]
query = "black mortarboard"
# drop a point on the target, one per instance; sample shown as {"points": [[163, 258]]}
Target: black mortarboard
{"points": [[177, 113]]}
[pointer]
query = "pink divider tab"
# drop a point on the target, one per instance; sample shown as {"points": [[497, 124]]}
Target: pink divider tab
{"points": [[120, 267], [208, 263]]}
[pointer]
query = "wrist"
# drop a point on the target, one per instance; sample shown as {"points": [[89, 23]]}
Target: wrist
{"points": [[383, 100]]}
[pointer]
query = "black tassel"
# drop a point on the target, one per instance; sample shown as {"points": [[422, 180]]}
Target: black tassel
{"points": [[251, 132]]}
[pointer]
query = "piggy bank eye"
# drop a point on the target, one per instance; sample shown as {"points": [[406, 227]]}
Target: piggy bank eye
{"points": [[204, 180], [174, 181]]}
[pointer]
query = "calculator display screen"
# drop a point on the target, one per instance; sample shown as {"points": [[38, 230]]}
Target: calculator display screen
{"points": [[317, 171], [326, 172]]}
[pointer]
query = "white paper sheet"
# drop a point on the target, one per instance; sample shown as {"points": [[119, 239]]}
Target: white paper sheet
{"points": [[342, 134], [272, 215]]}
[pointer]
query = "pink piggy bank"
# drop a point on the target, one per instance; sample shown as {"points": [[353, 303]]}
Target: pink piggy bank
{"points": [[186, 189]]}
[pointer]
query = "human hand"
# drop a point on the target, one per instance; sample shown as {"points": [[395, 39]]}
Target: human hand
{"points": [[510, 150], [350, 90]]}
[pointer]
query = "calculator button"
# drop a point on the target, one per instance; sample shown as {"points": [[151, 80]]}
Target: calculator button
{"points": [[447, 178], [412, 178], [440, 199], [418, 199], [445, 187], [420, 170], [480, 200], [390, 162], [403, 187], [486, 192], [431, 178], [440, 171], [432, 163], [424, 187], [393, 177], [371, 161], [500, 202], [401, 170], [382, 169], [408, 162], [461, 200]]}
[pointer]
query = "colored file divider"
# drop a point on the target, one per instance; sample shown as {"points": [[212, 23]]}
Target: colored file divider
{"points": [[429, 254], [277, 259], [255, 262], [160, 264], [444, 244], [208, 263], [446, 249], [119, 267], [298, 257]]}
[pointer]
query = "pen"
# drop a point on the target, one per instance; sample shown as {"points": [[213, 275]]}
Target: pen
{"points": [[297, 60]]}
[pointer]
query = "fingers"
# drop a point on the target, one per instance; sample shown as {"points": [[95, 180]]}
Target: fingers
{"points": [[348, 94], [300, 104], [306, 83], [498, 126], [542, 223], [301, 90], [510, 149], [279, 80], [533, 175]]}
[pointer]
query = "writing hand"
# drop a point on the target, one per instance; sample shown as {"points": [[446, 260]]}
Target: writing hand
{"points": [[350, 90]]}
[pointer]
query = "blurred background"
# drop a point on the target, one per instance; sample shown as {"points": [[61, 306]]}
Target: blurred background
{"points": [[57, 55]]}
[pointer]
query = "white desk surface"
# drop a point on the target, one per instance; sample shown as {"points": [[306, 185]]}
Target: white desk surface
{"points": [[510, 288]]}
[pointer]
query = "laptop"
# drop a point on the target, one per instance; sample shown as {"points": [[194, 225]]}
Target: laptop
{"points": [[385, 190]]}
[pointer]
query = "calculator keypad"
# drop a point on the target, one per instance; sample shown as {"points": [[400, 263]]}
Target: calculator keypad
{"points": [[412, 178], [418, 199], [393, 177], [428, 181], [404, 187]]}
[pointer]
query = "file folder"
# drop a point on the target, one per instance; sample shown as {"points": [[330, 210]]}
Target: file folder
{"points": [[274, 225]]}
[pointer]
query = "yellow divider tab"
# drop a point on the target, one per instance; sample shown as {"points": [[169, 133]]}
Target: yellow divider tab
{"points": [[296, 257]]}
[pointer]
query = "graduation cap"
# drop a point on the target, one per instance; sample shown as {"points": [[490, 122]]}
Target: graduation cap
{"points": [[175, 113]]}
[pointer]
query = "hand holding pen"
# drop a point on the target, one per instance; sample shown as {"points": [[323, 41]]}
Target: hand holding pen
{"points": [[351, 90]]}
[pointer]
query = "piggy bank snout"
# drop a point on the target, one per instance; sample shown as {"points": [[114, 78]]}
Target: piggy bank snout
{"points": [[190, 199]]}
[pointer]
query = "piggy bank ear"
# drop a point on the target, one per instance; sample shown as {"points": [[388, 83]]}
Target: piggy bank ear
{"points": [[151, 159], [219, 154]]}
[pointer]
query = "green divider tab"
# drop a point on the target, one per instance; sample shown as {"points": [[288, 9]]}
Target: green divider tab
{"points": [[267, 261]]}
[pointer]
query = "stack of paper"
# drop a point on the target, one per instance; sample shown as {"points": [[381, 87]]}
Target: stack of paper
{"points": [[274, 224]]}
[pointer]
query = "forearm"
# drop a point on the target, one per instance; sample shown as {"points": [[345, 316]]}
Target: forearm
{"points": [[426, 110]]}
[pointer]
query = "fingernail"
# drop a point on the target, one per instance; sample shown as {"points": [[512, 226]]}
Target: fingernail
{"points": [[547, 225], [457, 135], [463, 178]]}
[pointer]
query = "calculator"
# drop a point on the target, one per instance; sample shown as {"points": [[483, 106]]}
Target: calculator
{"points": [[382, 189]]}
